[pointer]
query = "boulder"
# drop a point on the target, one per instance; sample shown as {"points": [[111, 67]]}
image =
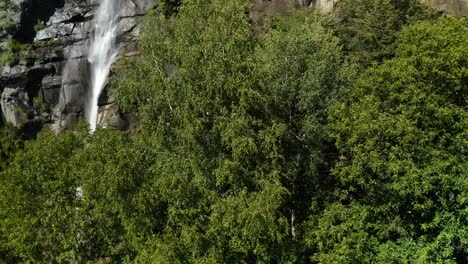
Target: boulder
{"points": [[325, 6], [110, 116], [454, 7], [133, 8]]}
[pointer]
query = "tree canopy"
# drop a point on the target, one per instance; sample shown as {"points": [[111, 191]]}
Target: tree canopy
{"points": [[402, 191], [274, 147]]}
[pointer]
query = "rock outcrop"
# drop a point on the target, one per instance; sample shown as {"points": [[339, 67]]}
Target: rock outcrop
{"points": [[454, 7], [48, 82], [324, 5], [14, 106], [110, 116]]}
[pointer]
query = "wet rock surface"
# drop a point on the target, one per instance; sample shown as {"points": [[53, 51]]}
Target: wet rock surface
{"points": [[54, 67]]}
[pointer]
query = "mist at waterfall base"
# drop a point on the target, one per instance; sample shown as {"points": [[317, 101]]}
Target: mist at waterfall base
{"points": [[102, 53]]}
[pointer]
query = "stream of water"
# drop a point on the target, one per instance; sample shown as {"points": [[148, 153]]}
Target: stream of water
{"points": [[102, 53]]}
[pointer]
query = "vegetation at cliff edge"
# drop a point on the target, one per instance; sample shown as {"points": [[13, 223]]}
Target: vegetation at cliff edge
{"points": [[309, 138]]}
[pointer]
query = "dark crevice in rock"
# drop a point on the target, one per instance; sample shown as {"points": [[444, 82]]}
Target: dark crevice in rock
{"points": [[132, 16], [78, 19], [35, 82], [120, 38], [31, 129]]}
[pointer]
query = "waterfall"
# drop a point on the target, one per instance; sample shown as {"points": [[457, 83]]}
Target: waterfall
{"points": [[102, 53]]}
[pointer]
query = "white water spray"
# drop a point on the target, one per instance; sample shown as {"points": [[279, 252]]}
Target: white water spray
{"points": [[102, 53]]}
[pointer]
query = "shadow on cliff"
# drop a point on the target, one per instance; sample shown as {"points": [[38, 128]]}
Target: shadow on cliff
{"points": [[34, 13]]}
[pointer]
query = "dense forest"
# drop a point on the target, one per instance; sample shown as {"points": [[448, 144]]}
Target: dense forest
{"points": [[295, 138]]}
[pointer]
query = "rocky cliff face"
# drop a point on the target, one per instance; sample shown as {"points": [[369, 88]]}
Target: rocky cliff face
{"points": [[47, 82], [54, 64]]}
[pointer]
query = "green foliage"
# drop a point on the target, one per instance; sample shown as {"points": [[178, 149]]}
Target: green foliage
{"points": [[259, 148], [40, 26], [403, 189], [10, 143], [46, 43], [170, 7], [13, 52], [111, 172], [10, 54], [7, 27], [39, 102], [237, 129], [46, 218], [369, 28], [7, 24], [7, 57], [37, 202]]}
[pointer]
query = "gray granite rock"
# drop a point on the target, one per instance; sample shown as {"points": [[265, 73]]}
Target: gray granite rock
{"points": [[14, 104], [110, 116], [56, 67], [51, 89]]}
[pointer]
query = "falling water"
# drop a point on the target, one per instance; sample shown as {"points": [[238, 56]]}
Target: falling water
{"points": [[102, 53]]}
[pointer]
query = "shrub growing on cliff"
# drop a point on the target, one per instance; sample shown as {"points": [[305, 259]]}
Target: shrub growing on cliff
{"points": [[7, 25], [10, 143], [369, 28]]}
